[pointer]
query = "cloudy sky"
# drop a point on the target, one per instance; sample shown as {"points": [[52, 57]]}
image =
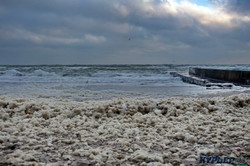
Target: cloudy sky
{"points": [[124, 31]]}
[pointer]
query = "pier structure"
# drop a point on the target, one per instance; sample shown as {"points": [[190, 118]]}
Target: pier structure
{"points": [[215, 77]]}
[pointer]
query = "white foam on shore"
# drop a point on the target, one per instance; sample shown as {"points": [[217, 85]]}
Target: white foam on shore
{"points": [[169, 131]]}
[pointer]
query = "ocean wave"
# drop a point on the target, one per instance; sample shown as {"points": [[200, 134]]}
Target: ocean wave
{"points": [[76, 68], [12, 72], [41, 73]]}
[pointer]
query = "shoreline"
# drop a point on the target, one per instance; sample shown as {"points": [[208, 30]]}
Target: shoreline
{"points": [[79, 92], [173, 131]]}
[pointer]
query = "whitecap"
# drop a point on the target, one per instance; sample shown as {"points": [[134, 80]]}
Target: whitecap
{"points": [[41, 73], [12, 72]]}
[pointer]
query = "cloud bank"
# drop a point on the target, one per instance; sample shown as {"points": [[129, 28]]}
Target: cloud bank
{"points": [[124, 32]]}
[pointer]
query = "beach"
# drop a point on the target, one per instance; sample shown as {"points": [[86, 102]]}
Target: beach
{"points": [[124, 131], [125, 83], [118, 115]]}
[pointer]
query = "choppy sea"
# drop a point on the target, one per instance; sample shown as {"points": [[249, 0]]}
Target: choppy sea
{"points": [[97, 82]]}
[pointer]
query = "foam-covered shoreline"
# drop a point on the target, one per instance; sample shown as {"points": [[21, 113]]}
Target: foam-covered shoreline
{"points": [[169, 131]]}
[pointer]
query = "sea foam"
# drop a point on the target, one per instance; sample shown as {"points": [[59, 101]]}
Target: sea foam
{"points": [[170, 131]]}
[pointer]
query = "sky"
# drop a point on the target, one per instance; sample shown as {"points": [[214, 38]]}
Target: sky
{"points": [[124, 32]]}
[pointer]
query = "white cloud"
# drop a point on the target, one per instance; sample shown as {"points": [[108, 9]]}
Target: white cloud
{"points": [[205, 15], [94, 39], [40, 38], [184, 11], [122, 9]]}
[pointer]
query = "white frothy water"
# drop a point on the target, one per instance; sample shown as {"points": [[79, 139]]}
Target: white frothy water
{"points": [[171, 131]]}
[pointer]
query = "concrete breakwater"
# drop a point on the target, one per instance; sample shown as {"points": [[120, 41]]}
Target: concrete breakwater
{"points": [[217, 75], [185, 77], [215, 78]]}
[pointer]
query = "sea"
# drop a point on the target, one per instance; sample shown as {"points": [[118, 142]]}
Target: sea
{"points": [[103, 82]]}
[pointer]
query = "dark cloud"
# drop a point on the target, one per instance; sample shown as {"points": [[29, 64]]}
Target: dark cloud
{"points": [[119, 31], [239, 6]]}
